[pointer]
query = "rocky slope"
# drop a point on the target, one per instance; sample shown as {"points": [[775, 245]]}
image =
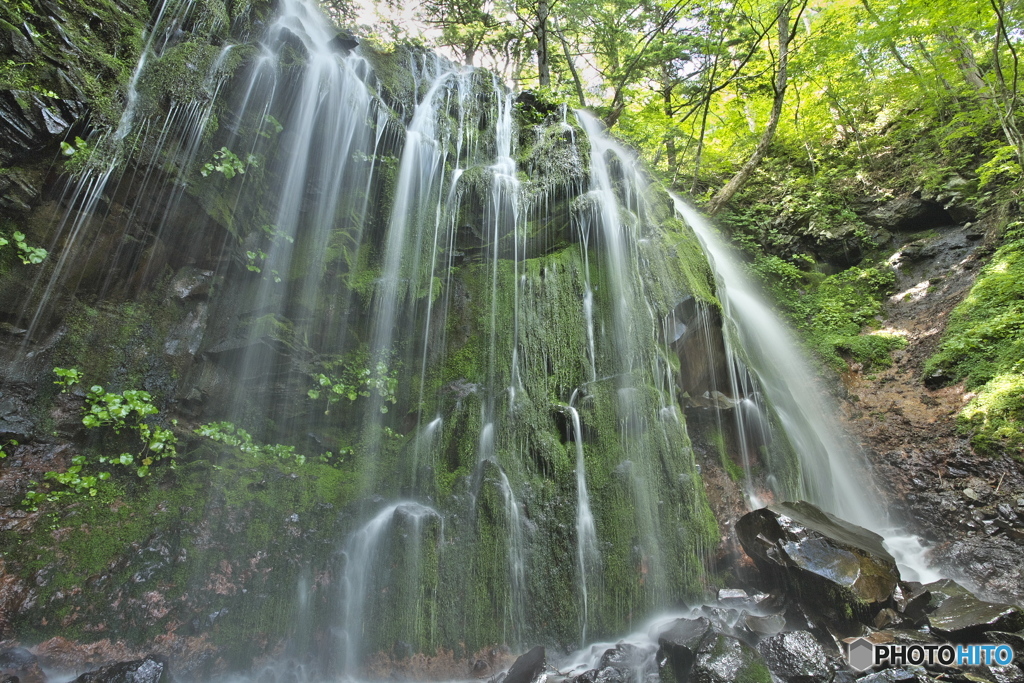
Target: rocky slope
{"points": [[969, 507]]}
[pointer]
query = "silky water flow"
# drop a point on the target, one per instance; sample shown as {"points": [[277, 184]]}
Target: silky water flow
{"points": [[524, 469]]}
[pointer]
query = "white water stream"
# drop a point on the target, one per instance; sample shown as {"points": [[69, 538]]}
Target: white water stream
{"points": [[834, 476]]}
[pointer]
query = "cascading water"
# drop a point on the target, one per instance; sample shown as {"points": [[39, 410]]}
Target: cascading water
{"points": [[456, 304], [367, 573], [833, 475], [586, 532]]}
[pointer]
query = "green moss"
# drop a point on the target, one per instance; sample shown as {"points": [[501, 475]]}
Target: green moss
{"points": [[834, 315], [983, 345], [179, 74]]}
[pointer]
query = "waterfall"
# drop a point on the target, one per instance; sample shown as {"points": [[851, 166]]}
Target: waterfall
{"points": [[366, 574], [458, 304], [834, 476], [586, 533]]}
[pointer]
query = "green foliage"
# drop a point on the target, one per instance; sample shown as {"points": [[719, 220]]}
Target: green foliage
{"points": [[67, 377], [348, 380], [228, 164], [118, 412], [27, 253], [236, 437], [831, 312], [984, 346], [1003, 165], [5, 446]]}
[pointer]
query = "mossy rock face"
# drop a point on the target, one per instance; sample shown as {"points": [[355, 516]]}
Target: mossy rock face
{"points": [[172, 290]]}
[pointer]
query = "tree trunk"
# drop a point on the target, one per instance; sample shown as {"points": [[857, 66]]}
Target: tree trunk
{"points": [[577, 82], [781, 80], [670, 136], [996, 94], [543, 58]]}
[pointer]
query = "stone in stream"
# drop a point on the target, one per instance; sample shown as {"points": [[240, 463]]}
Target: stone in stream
{"points": [[835, 569], [796, 657], [724, 659], [767, 625], [678, 646], [527, 668], [152, 669], [624, 663]]}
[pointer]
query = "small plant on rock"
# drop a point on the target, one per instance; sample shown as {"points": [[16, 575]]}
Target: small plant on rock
{"points": [[124, 412]]}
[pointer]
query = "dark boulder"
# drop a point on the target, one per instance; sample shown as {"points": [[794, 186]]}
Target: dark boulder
{"points": [[767, 625], [527, 668], [796, 657], [678, 646], [906, 214], [965, 618], [624, 663], [724, 659], [152, 669], [29, 121], [834, 569]]}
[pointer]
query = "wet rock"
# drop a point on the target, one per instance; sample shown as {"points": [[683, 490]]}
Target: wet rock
{"points": [[29, 121], [152, 669], [344, 42], [831, 567], [886, 618], [191, 283], [732, 596], [14, 421], [1003, 674], [765, 625], [990, 564], [679, 645], [796, 657], [723, 659], [527, 668], [23, 665], [621, 663], [1014, 640], [964, 618], [912, 600]]}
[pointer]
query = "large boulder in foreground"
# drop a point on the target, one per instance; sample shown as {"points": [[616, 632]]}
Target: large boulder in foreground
{"points": [[834, 569], [152, 669], [724, 659], [678, 646]]}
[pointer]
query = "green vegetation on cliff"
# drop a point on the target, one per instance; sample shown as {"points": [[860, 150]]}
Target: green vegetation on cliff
{"points": [[984, 346]]}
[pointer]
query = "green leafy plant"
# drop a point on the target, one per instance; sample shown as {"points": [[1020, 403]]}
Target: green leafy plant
{"points": [[4, 447], [70, 150], [231, 435], [349, 381], [271, 127], [228, 164], [119, 412], [27, 253]]}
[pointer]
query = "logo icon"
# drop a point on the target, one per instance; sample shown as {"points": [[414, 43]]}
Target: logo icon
{"points": [[861, 654]]}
